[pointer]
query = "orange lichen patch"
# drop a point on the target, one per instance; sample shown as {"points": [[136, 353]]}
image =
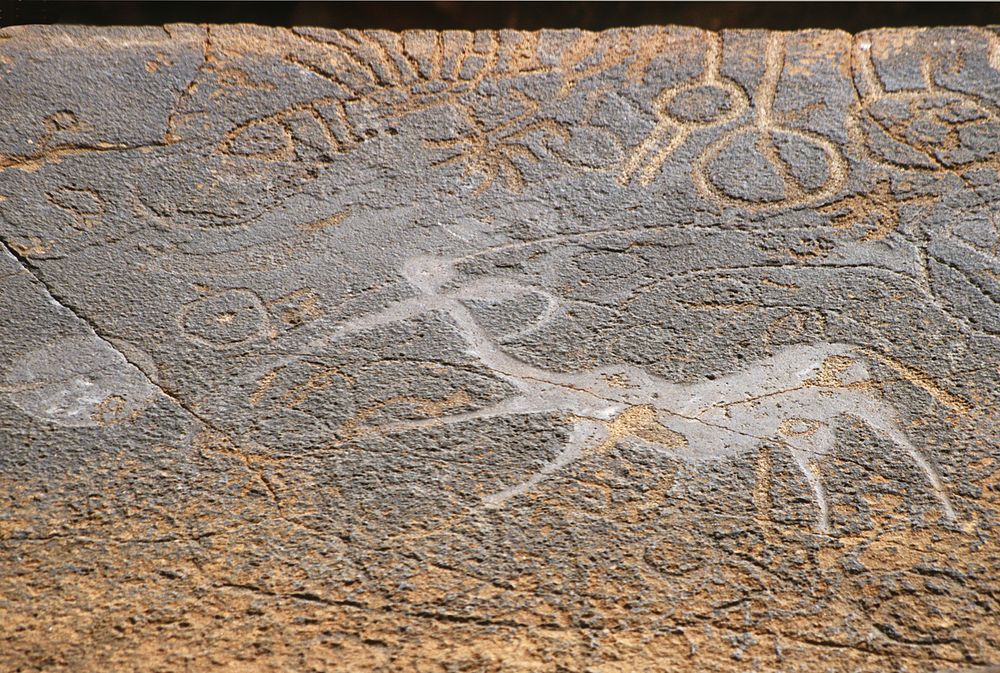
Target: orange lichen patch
{"points": [[879, 208], [263, 385], [161, 60], [326, 222], [720, 306], [112, 411], [243, 622], [784, 286], [639, 421], [322, 378], [33, 246], [830, 371], [618, 381], [799, 427]]}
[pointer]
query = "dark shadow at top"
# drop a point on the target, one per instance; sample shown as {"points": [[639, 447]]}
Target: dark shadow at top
{"points": [[852, 17]]}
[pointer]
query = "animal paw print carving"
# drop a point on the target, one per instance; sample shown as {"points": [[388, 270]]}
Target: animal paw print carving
{"points": [[929, 127], [494, 152]]}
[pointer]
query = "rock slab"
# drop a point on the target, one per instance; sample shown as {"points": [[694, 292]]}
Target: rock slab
{"points": [[643, 350]]}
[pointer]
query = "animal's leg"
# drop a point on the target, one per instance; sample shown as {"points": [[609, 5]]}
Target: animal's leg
{"points": [[884, 421], [583, 435], [808, 438], [801, 458]]}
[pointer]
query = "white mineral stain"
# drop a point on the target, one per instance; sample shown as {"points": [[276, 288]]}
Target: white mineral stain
{"points": [[77, 381]]}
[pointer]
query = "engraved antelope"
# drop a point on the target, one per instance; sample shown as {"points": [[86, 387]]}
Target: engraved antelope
{"points": [[791, 399]]}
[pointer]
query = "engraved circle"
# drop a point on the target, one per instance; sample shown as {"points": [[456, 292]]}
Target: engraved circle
{"points": [[225, 319], [799, 427]]}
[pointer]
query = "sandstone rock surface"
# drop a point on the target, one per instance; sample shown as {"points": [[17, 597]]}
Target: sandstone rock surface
{"points": [[643, 350]]}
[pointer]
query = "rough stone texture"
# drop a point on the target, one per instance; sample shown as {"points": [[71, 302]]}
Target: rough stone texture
{"points": [[646, 350]]}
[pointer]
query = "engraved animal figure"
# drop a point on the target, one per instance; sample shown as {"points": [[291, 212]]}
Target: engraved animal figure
{"points": [[716, 102], [929, 127], [792, 399]]}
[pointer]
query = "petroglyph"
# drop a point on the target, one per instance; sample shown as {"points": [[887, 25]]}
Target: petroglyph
{"points": [[85, 206], [650, 349], [492, 153], [710, 101], [768, 149], [399, 76], [962, 267], [878, 210], [297, 307], [791, 400], [779, 148], [925, 127], [225, 319], [240, 253], [390, 78]]}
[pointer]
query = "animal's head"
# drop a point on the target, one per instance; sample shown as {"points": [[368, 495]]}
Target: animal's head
{"points": [[841, 371]]}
